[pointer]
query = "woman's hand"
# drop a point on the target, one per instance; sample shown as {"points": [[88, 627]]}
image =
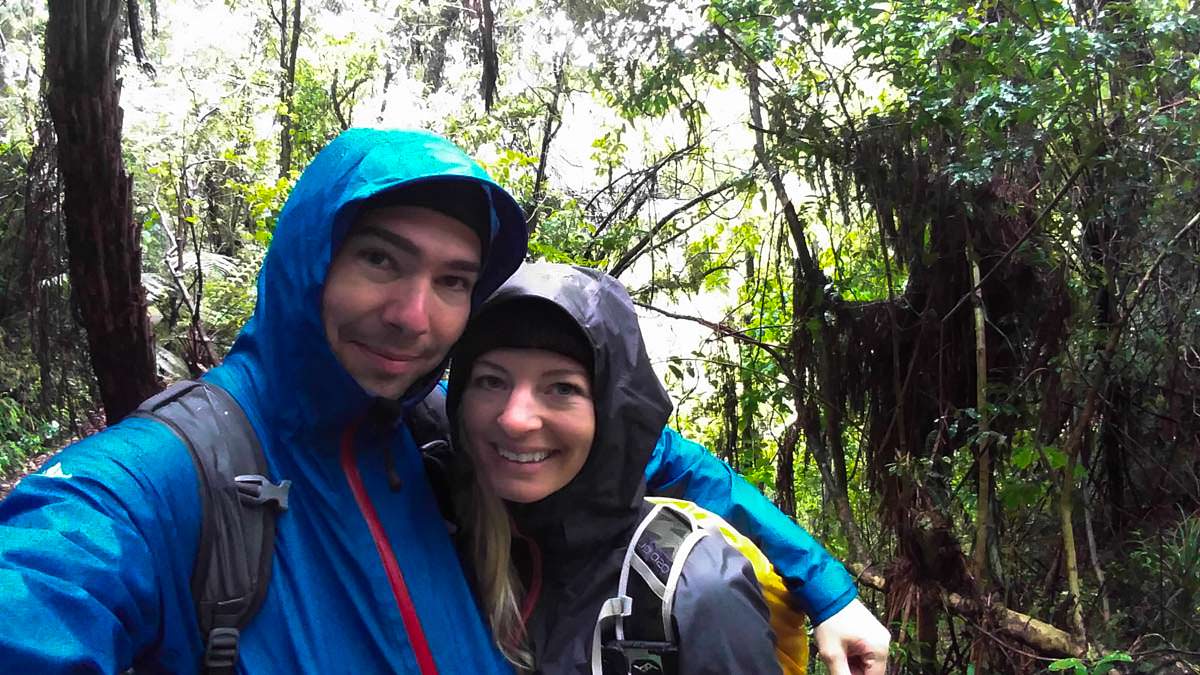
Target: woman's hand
{"points": [[853, 642]]}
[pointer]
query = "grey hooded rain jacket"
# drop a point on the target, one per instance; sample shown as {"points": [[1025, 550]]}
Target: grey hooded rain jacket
{"points": [[580, 533]]}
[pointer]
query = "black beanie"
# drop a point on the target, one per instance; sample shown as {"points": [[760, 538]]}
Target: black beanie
{"points": [[462, 200], [522, 323]]}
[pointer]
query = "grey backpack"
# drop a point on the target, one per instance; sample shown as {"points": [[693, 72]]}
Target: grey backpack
{"points": [[240, 504], [239, 507]]}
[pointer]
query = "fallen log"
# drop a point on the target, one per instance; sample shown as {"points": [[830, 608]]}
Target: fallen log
{"points": [[1038, 635]]}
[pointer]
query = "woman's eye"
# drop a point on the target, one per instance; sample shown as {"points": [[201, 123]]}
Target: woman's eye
{"points": [[490, 382], [567, 389]]}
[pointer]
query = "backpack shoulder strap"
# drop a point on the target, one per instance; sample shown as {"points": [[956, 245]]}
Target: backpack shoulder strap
{"points": [[239, 506], [788, 624], [657, 556], [427, 421], [430, 429], [640, 614]]}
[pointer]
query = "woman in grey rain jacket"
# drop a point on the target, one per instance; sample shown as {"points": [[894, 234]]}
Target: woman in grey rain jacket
{"points": [[558, 408]]}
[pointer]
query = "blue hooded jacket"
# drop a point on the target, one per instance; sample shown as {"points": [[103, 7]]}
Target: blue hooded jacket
{"points": [[97, 548]]}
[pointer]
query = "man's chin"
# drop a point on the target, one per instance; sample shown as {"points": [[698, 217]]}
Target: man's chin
{"points": [[390, 389]]}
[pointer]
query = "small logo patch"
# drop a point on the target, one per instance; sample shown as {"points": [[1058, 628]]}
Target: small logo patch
{"points": [[655, 556], [56, 471]]}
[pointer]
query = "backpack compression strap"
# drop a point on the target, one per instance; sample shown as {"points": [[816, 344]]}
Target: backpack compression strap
{"points": [[635, 632], [239, 507]]}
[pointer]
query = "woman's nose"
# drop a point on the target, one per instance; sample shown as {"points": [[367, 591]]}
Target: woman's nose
{"points": [[521, 413]]}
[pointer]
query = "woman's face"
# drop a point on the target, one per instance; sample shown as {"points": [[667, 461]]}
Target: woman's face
{"points": [[528, 420]]}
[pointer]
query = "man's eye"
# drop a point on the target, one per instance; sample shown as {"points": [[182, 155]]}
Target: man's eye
{"points": [[458, 283], [374, 257]]}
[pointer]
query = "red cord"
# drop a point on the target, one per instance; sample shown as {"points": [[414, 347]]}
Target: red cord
{"points": [[408, 611]]}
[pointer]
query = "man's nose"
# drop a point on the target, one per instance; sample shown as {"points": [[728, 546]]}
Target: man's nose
{"points": [[521, 413], [408, 307]]}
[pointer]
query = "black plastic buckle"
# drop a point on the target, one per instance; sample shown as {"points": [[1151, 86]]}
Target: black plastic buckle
{"points": [[255, 489], [636, 657], [222, 648]]}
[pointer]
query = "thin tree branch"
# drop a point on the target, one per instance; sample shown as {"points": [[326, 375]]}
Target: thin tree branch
{"points": [[631, 255], [725, 331]]}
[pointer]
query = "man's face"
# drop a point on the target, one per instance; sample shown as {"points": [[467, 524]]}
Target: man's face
{"points": [[398, 295]]}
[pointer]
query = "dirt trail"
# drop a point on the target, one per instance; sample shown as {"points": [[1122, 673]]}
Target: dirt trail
{"points": [[9, 481], [91, 422]]}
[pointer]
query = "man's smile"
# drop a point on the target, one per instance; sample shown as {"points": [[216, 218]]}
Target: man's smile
{"points": [[388, 360]]}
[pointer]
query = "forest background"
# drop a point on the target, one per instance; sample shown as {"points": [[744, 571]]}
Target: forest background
{"points": [[935, 262]]}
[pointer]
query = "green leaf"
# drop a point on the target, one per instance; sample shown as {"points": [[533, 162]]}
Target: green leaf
{"points": [[1017, 494], [1023, 457], [1115, 657], [1056, 457]]}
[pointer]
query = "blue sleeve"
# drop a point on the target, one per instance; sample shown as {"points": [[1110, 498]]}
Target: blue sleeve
{"points": [[681, 468], [96, 551]]}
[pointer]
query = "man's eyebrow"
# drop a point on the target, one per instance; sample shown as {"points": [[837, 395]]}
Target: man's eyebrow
{"points": [[399, 241], [405, 244], [468, 266]]}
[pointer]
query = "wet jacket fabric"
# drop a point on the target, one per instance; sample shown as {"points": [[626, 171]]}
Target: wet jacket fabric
{"points": [[97, 547], [581, 532], [96, 550]]}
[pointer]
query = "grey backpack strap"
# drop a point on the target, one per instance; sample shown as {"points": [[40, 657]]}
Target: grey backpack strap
{"points": [[642, 638], [430, 429], [240, 504], [427, 421]]}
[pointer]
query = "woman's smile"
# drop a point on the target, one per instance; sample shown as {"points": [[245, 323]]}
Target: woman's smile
{"points": [[529, 420], [523, 456]]}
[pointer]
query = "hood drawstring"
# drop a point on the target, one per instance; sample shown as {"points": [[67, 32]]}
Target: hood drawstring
{"points": [[389, 465], [384, 413]]}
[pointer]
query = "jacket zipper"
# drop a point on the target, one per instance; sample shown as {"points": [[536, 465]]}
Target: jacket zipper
{"points": [[408, 611]]}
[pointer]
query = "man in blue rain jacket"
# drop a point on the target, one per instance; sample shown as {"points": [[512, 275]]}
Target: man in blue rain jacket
{"points": [[386, 243]]}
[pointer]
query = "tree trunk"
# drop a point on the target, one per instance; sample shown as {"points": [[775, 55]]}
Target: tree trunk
{"points": [[103, 242], [785, 470], [40, 197], [811, 422], [983, 502], [929, 615], [487, 54], [984, 498], [289, 47], [435, 66], [730, 422], [808, 282], [551, 123]]}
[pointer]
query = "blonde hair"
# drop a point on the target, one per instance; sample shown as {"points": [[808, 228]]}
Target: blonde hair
{"points": [[489, 546]]}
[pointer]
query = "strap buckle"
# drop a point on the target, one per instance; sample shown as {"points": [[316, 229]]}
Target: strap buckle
{"points": [[256, 489], [221, 651]]}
